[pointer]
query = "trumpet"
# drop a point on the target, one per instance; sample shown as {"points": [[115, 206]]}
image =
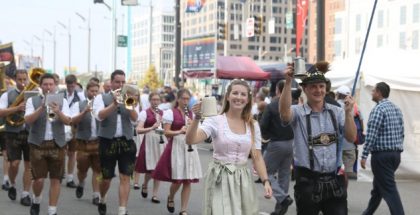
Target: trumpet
{"points": [[127, 95], [118, 96], [159, 130], [130, 102], [186, 112], [51, 116], [90, 105]]}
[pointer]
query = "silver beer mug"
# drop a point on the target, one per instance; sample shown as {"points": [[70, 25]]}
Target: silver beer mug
{"points": [[299, 67]]}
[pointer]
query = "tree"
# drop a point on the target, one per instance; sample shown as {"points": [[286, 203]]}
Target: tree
{"points": [[151, 79]]}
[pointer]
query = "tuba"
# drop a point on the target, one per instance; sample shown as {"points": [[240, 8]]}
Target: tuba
{"points": [[17, 119]]}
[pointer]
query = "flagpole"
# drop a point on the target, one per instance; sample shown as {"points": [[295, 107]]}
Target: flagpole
{"points": [[364, 48]]}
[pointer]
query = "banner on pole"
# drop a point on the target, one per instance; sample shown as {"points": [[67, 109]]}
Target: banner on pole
{"points": [[301, 15]]}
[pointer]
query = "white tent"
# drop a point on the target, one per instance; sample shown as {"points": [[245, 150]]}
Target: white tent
{"points": [[400, 70]]}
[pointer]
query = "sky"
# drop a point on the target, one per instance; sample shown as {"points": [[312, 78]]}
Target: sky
{"points": [[24, 20]]}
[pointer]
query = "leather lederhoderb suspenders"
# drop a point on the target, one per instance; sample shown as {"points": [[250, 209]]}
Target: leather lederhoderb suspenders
{"points": [[310, 138]]}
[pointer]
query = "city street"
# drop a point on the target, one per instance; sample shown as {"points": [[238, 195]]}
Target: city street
{"points": [[359, 193]]}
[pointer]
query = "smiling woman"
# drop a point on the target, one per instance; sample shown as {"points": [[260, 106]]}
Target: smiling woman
{"points": [[235, 135]]}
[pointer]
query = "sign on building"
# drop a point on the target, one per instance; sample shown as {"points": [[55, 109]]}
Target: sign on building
{"points": [[198, 54], [250, 27]]}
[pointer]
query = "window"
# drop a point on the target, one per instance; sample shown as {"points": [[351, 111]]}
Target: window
{"points": [[380, 41], [403, 15], [415, 40], [416, 13], [251, 47], [338, 25], [358, 22], [337, 48], [381, 19], [402, 40], [273, 39]]}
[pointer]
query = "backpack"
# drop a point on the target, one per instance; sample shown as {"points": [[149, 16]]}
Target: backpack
{"points": [[359, 127]]}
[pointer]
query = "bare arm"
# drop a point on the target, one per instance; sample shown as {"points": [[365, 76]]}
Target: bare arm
{"points": [[11, 110], [142, 130], [349, 124], [170, 133], [104, 113], [76, 119], [261, 169], [31, 118], [286, 97], [133, 115]]}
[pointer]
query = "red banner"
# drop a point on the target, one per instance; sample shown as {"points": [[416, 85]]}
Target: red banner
{"points": [[301, 15]]}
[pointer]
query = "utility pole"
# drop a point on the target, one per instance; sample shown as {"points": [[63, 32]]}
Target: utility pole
{"points": [[320, 13], [177, 42]]}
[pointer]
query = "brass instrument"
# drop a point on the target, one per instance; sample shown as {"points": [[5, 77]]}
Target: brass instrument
{"points": [[90, 105], [127, 95], [186, 112], [51, 116], [159, 130], [118, 96], [130, 102], [17, 119]]}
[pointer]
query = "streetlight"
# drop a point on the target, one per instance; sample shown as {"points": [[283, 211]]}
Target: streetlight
{"points": [[30, 46], [69, 34], [54, 44], [89, 36]]}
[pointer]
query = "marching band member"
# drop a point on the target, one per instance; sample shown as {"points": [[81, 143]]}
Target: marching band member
{"points": [[17, 138], [72, 96], [178, 164], [116, 142], [152, 145], [87, 142], [47, 142]]}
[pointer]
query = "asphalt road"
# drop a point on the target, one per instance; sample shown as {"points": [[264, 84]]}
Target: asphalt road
{"points": [[359, 194]]}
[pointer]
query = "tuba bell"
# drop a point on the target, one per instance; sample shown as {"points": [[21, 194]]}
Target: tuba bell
{"points": [[17, 119]]}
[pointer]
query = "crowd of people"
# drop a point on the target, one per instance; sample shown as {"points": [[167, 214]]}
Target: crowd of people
{"points": [[155, 133]]}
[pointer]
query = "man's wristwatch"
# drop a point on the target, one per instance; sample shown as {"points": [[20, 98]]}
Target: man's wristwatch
{"points": [[265, 181]]}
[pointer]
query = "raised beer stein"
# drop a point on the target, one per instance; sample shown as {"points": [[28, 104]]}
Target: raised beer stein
{"points": [[209, 106], [299, 67]]}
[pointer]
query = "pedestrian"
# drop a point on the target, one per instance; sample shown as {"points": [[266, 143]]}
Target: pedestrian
{"points": [[116, 144], [87, 142], [152, 145], [384, 140], [278, 155], [229, 188], [317, 157], [178, 164], [17, 137], [47, 141]]}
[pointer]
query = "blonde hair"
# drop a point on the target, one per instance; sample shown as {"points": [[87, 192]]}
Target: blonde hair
{"points": [[246, 114]]}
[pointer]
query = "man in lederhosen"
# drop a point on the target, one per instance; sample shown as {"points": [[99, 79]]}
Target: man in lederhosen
{"points": [[47, 141], [116, 142], [72, 97], [87, 142], [317, 127], [16, 137]]}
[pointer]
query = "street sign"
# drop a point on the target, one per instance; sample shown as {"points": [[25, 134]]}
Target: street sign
{"points": [[250, 27], [272, 26], [289, 20], [122, 41]]}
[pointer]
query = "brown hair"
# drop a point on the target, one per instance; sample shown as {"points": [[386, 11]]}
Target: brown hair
{"points": [[246, 114], [91, 84], [153, 94]]}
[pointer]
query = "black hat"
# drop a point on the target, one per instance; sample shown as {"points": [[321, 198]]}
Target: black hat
{"points": [[316, 74]]}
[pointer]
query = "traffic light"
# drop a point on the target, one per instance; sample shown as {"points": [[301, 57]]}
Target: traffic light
{"points": [[98, 1], [221, 31], [258, 25]]}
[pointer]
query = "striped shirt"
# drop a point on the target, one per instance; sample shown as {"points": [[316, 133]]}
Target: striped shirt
{"points": [[385, 129]]}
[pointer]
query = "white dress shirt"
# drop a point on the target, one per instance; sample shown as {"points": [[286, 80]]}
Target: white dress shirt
{"points": [[48, 129], [98, 105], [75, 110]]}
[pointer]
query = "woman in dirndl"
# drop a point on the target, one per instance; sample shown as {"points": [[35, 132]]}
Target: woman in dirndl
{"points": [[152, 145], [178, 164], [229, 188]]}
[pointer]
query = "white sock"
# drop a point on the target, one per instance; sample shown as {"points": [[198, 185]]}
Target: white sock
{"points": [[24, 194], [96, 194], [52, 210], [69, 177], [103, 200], [122, 210], [5, 179], [37, 199]]}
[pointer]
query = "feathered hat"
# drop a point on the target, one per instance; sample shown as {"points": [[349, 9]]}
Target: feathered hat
{"points": [[316, 73]]}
